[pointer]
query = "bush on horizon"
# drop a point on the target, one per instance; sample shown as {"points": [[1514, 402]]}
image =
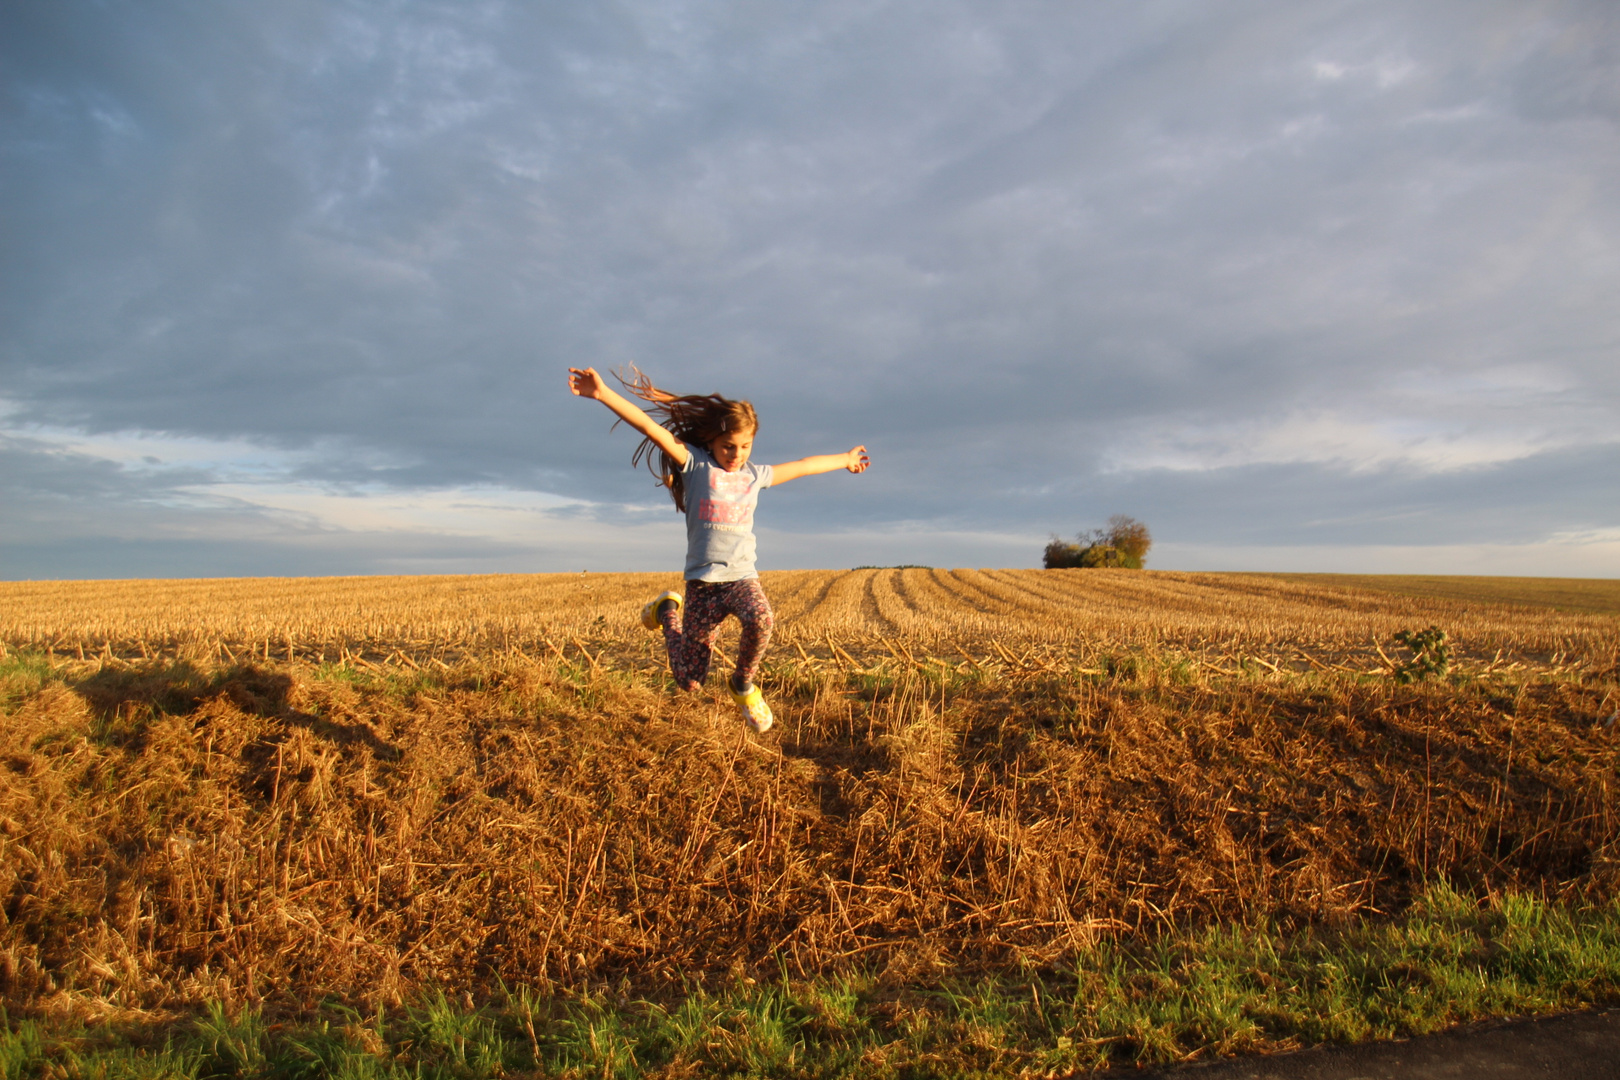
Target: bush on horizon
{"points": [[1124, 542]]}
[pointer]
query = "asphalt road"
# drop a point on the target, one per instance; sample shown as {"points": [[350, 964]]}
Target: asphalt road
{"points": [[1575, 1046]]}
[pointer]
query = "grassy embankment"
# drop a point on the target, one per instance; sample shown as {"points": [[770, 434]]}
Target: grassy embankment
{"points": [[971, 849]]}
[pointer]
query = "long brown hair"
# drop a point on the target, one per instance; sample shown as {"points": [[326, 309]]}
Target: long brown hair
{"points": [[694, 419]]}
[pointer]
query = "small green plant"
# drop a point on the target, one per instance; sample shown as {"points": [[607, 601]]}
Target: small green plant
{"points": [[234, 1045], [456, 1040], [1430, 654], [22, 1048]]}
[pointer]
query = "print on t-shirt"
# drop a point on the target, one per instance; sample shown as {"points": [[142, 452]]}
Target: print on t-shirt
{"points": [[727, 501]]}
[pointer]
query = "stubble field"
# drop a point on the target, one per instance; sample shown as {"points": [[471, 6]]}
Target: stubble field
{"points": [[279, 793]]}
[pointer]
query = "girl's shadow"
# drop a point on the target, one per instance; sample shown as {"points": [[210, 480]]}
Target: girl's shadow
{"points": [[180, 688]]}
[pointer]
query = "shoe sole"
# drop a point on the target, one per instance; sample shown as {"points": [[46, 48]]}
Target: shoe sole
{"points": [[649, 611]]}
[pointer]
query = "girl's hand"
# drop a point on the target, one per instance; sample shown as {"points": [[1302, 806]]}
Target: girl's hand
{"points": [[855, 461], [586, 383]]}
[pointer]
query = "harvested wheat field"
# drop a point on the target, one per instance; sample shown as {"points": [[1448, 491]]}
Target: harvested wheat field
{"points": [[294, 791]]}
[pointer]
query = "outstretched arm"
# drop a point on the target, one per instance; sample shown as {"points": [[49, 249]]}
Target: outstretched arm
{"points": [[586, 383], [855, 461]]}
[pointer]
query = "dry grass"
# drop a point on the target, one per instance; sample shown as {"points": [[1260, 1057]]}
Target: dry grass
{"points": [[454, 781], [1218, 617], [1600, 596]]}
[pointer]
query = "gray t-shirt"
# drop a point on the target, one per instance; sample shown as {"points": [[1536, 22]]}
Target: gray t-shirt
{"points": [[720, 517]]}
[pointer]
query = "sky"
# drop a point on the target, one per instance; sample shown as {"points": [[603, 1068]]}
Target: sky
{"points": [[291, 287]]}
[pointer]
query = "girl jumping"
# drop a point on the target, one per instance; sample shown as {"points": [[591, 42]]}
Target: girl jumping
{"points": [[702, 446]]}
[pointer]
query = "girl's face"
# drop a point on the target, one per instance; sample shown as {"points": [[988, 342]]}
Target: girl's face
{"points": [[731, 450]]}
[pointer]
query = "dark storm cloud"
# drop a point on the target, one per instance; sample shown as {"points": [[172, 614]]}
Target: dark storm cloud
{"points": [[1027, 253]]}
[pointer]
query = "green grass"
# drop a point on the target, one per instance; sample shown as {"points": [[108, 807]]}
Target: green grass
{"points": [[22, 675], [1230, 990], [1594, 596]]}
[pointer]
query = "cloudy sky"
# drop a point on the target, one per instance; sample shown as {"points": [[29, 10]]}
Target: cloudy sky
{"points": [[290, 287]]}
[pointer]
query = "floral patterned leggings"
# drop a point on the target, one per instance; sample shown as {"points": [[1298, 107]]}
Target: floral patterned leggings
{"points": [[707, 605]]}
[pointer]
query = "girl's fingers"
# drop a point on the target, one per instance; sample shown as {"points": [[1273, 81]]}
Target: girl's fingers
{"points": [[582, 381]]}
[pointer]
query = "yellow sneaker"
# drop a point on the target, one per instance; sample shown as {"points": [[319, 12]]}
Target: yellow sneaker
{"points": [[755, 712], [649, 614]]}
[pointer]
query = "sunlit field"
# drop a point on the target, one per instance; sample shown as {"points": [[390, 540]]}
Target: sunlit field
{"points": [[1288, 620], [1594, 595], [285, 793]]}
